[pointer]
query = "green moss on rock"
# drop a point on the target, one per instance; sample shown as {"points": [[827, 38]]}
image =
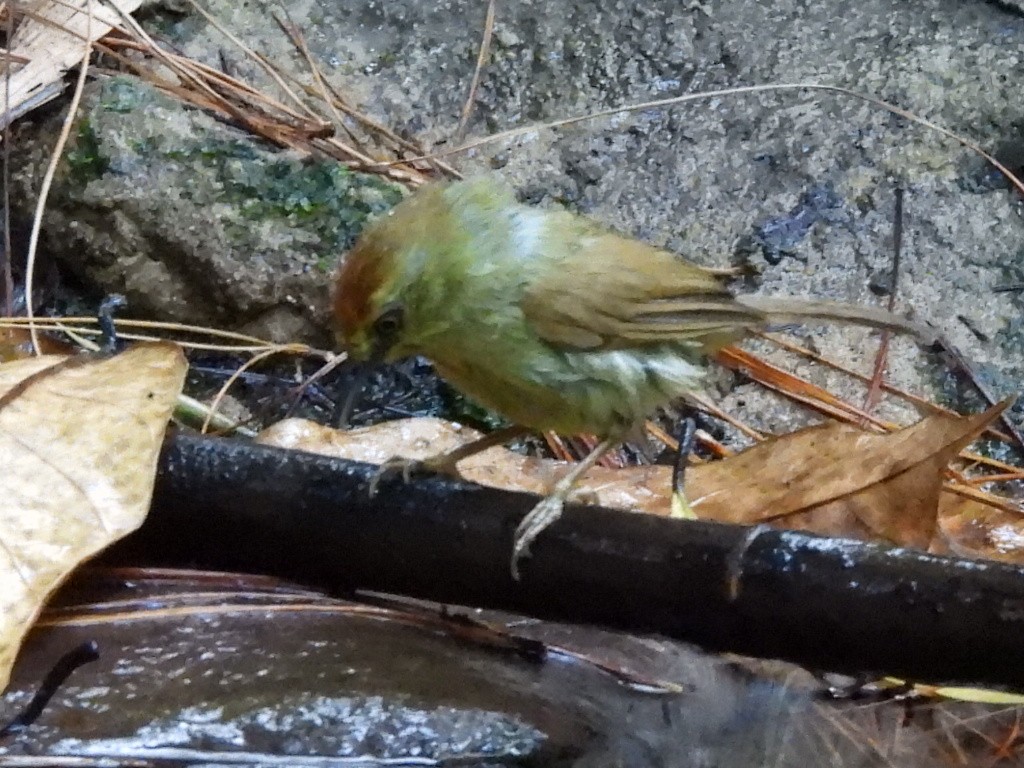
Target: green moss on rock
{"points": [[84, 159], [197, 221]]}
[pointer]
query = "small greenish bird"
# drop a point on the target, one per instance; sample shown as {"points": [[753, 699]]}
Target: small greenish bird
{"points": [[546, 317]]}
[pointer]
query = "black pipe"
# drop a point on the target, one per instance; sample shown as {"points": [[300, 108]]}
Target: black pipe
{"points": [[828, 604]]}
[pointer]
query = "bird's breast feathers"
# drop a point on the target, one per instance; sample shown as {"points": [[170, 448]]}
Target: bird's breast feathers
{"points": [[603, 392]]}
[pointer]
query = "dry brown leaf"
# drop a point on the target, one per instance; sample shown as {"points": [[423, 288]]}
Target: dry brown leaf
{"points": [[642, 489], [834, 478], [50, 40], [16, 344], [970, 528], [840, 480], [79, 440]]}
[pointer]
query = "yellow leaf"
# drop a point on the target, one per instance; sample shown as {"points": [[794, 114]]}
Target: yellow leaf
{"points": [[79, 441], [979, 695]]}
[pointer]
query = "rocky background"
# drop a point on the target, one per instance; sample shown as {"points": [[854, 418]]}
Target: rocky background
{"points": [[199, 222]]}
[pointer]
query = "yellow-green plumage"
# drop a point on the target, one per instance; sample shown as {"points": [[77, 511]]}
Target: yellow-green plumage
{"points": [[545, 317], [540, 315]]}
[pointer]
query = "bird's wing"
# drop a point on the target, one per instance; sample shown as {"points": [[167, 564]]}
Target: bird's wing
{"points": [[612, 292]]}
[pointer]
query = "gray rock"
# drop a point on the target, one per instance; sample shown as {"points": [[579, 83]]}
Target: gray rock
{"points": [[195, 221], [797, 186]]}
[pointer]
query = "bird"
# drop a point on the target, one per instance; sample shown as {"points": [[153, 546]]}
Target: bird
{"points": [[546, 317]]}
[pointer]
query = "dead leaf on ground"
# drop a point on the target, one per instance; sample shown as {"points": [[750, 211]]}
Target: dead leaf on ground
{"points": [[840, 480], [640, 489], [971, 528], [834, 478], [16, 344], [48, 42], [79, 440]]}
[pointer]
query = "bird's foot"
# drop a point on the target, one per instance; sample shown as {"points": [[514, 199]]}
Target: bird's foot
{"points": [[550, 508], [681, 509], [540, 517], [441, 464]]}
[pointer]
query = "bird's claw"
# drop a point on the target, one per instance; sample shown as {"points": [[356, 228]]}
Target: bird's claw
{"points": [[540, 517], [409, 467], [397, 464]]}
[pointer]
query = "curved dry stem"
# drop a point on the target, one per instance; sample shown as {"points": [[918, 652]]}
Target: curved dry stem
{"points": [[84, 326], [257, 57], [735, 91], [257, 358], [328, 366], [481, 60], [51, 170]]}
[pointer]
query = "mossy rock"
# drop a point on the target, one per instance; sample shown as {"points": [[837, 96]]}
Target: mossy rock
{"points": [[193, 220]]}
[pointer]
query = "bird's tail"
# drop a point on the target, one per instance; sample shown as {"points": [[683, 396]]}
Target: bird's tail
{"points": [[790, 310]]}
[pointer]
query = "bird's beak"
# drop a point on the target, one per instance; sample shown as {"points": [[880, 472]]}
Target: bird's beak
{"points": [[376, 357], [345, 417]]}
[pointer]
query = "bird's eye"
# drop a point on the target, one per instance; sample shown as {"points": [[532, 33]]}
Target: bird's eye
{"points": [[389, 322]]}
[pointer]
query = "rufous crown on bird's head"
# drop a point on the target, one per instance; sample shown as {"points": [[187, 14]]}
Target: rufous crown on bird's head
{"points": [[367, 314], [358, 296], [379, 278]]}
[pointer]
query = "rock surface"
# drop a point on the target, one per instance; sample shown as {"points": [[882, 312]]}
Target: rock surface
{"points": [[798, 186], [195, 221]]}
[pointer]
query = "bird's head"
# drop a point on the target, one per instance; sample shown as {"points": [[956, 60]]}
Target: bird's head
{"points": [[387, 291], [369, 310], [419, 274]]}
